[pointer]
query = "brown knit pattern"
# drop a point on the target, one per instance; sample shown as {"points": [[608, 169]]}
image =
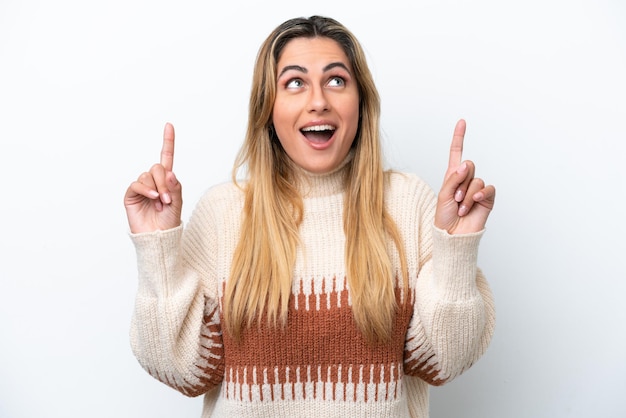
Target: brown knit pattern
{"points": [[320, 353]]}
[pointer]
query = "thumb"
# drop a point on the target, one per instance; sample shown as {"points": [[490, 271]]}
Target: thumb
{"points": [[454, 179], [175, 188]]}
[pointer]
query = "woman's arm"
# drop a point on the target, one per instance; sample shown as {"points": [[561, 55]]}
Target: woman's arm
{"points": [[175, 329], [454, 312]]}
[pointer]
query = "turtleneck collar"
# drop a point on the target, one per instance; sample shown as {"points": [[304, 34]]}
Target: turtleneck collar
{"points": [[322, 184]]}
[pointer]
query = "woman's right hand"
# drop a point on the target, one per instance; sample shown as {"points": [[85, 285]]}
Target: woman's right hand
{"points": [[154, 201]]}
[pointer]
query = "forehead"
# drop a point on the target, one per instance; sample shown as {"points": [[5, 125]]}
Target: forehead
{"points": [[310, 50]]}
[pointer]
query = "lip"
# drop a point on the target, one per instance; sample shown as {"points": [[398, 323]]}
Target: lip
{"points": [[315, 145]]}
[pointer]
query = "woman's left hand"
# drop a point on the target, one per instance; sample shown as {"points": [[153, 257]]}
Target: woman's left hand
{"points": [[464, 202]]}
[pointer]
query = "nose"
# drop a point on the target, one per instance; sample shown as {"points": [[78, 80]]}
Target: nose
{"points": [[318, 102]]}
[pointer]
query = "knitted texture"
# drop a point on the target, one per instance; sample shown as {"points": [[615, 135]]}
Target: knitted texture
{"points": [[318, 364]]}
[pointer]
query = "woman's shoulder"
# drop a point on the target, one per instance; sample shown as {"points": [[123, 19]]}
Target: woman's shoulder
{"points": [[404, 182], [224, 195], [408, 195], [224, 190]]}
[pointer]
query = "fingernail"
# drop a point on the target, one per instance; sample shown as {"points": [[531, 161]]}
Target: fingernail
{"points": [[462, 210], [166, 198], [461, 168], [478, 197], [154, 194], [458, 196]]}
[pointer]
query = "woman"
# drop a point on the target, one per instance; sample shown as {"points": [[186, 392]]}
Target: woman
{"points": [[321, 285]]}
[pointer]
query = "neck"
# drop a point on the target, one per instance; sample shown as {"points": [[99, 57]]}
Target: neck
{"points": [[322, 184]]}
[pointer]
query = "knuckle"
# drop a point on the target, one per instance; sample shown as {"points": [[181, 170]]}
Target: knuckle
{"points": [[143, 177], [478, 182]]}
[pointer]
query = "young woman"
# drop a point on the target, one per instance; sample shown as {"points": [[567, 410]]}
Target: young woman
{"points": [[321, 285]]}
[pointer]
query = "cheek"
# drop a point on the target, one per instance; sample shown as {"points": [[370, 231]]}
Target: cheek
{"points": [[281, 123], [352, 116], [351, 107], [282, 114]]}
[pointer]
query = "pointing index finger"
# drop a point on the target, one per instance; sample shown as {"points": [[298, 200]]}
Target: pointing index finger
{"points": [[167, 152], [456, 148]]}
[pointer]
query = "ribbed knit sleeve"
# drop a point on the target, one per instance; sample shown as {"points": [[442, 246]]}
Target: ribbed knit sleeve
{"points": [[453, 311], [175, 330]]}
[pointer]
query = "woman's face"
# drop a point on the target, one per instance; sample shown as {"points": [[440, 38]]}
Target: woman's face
{"points": [[316, 112]]}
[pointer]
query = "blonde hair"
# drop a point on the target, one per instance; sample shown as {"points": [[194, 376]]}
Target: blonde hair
{"points": [[261, 273]]}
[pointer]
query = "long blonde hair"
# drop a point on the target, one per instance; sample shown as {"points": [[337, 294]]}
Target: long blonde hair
{"points": [[261, 273]]}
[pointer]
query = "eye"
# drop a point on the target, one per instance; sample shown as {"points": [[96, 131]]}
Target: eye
{"points": [[336, 82], [294, 83]]}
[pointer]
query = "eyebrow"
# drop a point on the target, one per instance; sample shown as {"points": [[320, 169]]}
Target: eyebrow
{"points": [[336, 64], [304, 70], [292, 67]]}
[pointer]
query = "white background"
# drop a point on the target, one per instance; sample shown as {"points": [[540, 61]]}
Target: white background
{"points": [[86, 87]]}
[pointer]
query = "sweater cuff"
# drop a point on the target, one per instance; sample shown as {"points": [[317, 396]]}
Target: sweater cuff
{"points": [[158, 260], [455, 263]]}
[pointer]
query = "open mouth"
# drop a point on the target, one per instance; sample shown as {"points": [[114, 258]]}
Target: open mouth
{"points": [[318, 134]]}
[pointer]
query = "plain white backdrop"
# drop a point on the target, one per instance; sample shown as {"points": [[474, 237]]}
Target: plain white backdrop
{"points": [[86, 87]]}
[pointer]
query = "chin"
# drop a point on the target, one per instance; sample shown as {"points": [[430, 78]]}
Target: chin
{"points": [[320, 168]]}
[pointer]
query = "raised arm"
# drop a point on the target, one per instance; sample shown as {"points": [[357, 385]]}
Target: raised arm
{"points": [[454, 313], [175, 330]]}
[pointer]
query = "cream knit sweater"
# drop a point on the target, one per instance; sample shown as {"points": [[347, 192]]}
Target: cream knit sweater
{"points": [[318, 365]]}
